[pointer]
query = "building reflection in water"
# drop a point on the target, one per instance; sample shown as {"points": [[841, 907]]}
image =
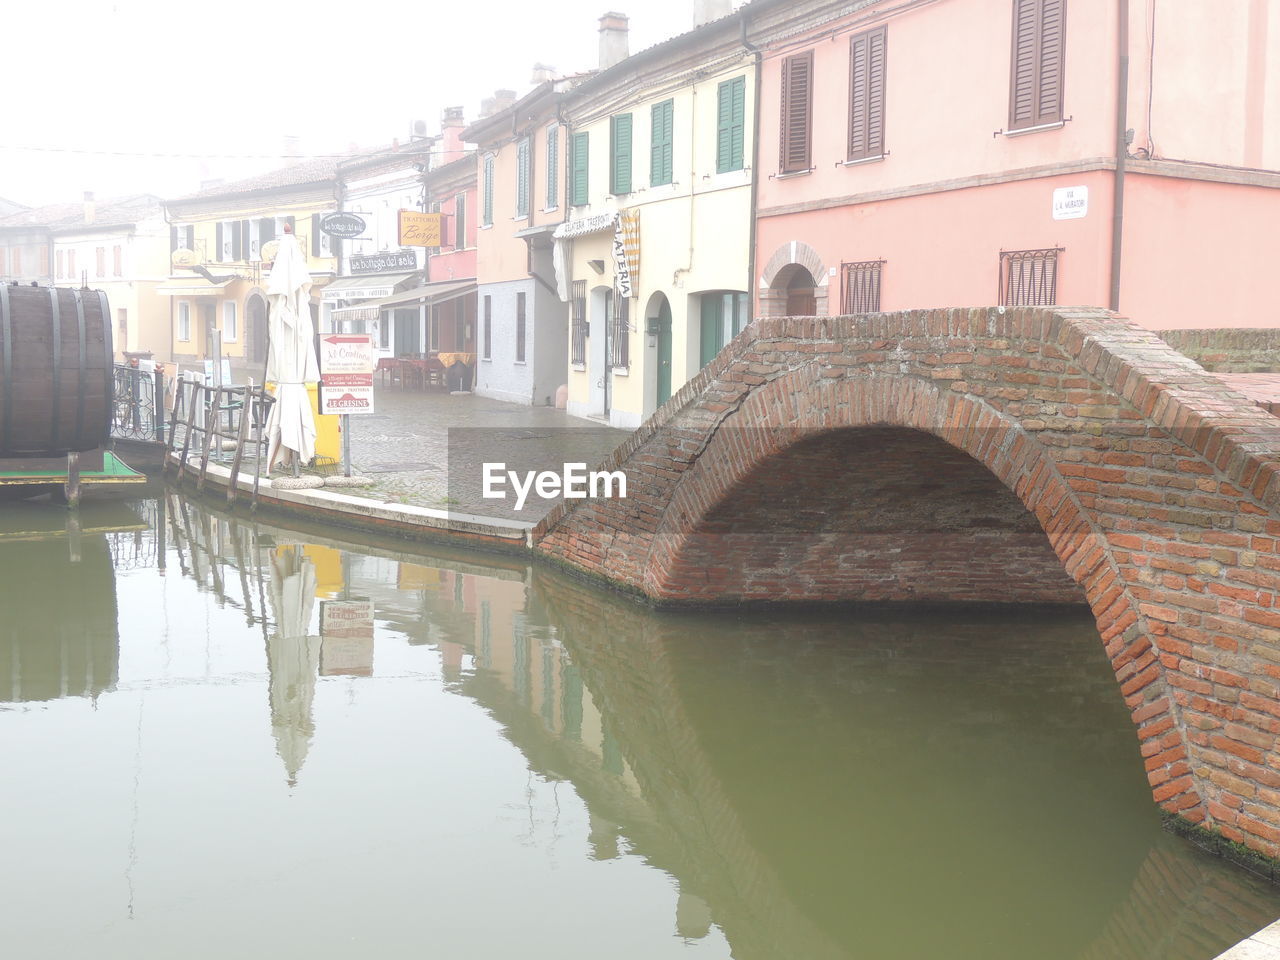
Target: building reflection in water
{"points": [[799, 779], [58, 623]]}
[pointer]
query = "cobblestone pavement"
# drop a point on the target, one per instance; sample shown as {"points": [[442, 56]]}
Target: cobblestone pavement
{"points": [[427, 447]]}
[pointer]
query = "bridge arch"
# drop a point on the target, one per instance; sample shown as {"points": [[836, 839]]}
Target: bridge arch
{"points": [[1156, 486]]}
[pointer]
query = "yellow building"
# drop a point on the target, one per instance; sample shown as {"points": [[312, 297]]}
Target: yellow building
{"points": [[654, 257], [217, 277]]}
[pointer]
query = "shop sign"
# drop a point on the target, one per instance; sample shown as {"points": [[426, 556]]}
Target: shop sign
{"points": [[346, 631], [343, 225], [419, 229], [346, 373], [378, 262]]}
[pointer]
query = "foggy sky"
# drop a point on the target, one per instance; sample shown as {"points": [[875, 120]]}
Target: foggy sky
{"points": [[86, 79]]}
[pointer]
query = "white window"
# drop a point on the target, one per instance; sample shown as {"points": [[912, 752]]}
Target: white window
{"points": [[225, 253], [184, 320], [230, 330]]}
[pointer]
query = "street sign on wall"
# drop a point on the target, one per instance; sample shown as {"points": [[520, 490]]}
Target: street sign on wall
{"points": [[346, 373], [1070, 203]]}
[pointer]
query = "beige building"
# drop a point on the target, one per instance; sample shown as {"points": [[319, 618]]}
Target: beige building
{"points": [[654, 256], [217, 274], [118, 246]]}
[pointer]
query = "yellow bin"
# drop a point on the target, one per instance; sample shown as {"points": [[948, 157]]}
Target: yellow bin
{"points": [[328, 437]]}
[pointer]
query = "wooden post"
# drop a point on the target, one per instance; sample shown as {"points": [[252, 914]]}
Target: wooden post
{"points": [[210, 432], [241, 436], [73, 480]]}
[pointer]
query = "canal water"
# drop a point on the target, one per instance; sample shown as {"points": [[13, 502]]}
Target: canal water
{"points": [[221, 738]]}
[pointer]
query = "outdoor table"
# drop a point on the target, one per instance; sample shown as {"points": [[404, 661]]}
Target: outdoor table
{"points": [[388, 366]]}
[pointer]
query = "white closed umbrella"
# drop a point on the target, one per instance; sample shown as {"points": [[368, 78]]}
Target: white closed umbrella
{"points": [[291, 355], [293, 656]]}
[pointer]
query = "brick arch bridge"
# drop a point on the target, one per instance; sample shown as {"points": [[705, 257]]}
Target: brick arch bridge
{"points": [[984, 455]]}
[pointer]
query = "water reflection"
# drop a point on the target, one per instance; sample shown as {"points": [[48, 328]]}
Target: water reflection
{"points": [[52, 561], [826, 786]]}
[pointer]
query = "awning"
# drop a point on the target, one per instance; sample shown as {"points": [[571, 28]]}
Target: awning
{"points": [[201, 289], [593, 224], [430, 293], [367, 287]]}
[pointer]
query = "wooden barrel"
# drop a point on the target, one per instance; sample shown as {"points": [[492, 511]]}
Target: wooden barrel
{"points": [[55, 371]]}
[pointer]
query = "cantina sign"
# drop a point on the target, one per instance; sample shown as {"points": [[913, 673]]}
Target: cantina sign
{"points": [[342, 225]]}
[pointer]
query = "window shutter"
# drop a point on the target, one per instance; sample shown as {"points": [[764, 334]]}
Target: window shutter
{"points": [[866, 94], [217, 242], [797, 106], [191, 236], [522, 179], [173, 239], [581, 147], [1035, 80], [1049, 92], [460, 221], [731, 103], [660, 137], [237, 236], [315, 234], [487, 209], [620, 128], [737, 120], [553, 164]]}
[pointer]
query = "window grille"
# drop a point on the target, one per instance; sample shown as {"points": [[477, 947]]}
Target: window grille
{"points": [[1029, 278], [860, 286], [620, 332], [578, 322]]}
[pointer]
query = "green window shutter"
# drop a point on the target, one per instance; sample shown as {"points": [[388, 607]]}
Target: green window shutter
{"points": [[487, 207], [620, 138], [660, 158], [731, 113], [522, 179], [553, 167], [712, 340], [580, 162]]}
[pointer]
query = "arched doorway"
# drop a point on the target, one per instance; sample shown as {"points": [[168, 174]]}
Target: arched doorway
{"points": [[658, 325], [796, 287]]}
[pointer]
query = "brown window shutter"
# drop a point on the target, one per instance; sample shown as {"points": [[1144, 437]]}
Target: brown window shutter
{"points": [[1049, 72], [866, 93], [797, 110], [1035, 76]]}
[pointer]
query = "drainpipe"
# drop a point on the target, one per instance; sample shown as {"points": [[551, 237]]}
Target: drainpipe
{"points": [[755, 176], [1122, 150]]}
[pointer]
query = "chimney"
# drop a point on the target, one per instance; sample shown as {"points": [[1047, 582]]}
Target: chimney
{"points": [[542, 74], [704, 11], [451, 127], [90, 208], [613, 39]]}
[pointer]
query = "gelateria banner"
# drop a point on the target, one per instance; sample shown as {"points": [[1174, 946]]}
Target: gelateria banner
{"points": [[626, 254]]}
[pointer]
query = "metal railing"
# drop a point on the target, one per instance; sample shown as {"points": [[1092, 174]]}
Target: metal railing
{"points": [[209, 422], [137, 410]]}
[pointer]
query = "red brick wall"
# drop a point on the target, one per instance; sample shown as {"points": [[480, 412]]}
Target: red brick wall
{"points": [[877, 514], [1156, 486]]}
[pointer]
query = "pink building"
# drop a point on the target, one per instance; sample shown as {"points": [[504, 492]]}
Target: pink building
{"points": [[450, 187], [930, 153]]}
